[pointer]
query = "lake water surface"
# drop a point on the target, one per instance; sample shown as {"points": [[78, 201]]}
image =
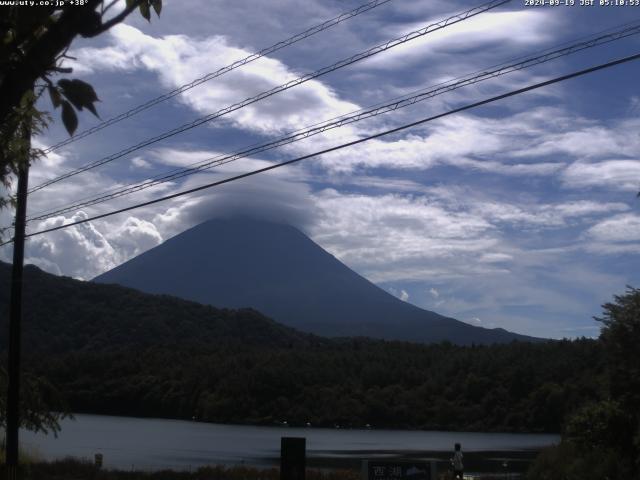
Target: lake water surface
{"points": [[143, 443]]}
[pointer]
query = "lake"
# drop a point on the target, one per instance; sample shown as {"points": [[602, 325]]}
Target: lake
{"points": [[151, 444]]}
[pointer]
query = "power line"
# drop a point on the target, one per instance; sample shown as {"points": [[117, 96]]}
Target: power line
{"points": [[343, 120], [345, 62], [226, 69], [345, 145], [292, 83], [618, 31], [574, 41]]}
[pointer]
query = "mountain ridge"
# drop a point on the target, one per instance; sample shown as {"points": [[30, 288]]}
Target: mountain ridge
{"points": [[62, 314]]}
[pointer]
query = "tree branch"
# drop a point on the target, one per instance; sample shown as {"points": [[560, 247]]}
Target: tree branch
{"points": [[42, 54], [115, 20], [108, 7]]}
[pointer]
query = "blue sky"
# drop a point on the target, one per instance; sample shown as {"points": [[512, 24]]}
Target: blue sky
{"points": [[521, 215]]}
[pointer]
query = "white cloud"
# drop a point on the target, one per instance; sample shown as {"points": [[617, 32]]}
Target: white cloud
{"points": [[86, 250], [586, 208], [268, 197], [133, 237], [495, 257], [401, 294], [610, 174], [441, 233], [140, 162], [178, 59], [79, 251], [619, 228], [513, 28], [466, 141], [588, 140], [543, 215], [394, 237], [505, 146]]}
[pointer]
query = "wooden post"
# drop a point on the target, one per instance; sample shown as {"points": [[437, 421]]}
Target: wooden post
{"points": [[15, 316], [292, 458]]}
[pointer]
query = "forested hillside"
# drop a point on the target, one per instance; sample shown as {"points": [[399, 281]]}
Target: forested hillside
{"points": [[118, 351], [63, 315], [517, 387]]}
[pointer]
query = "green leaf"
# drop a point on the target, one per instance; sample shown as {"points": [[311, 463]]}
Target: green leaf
{"points": [[69, 117], [9, 37], [27, 99], [56, 98], [130, 3], [79, 93], [91, 24], [157, 6], [92, 109], [144, 10]]}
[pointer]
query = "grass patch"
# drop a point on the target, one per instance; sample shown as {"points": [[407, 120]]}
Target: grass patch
{"points": [[74, 469], [28, 455]]}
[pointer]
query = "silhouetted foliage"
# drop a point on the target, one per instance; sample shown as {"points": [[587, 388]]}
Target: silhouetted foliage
{"points": [[621, 339], [41, 406], [70, 468], [34, 40], [567, 461], [602, 439]]}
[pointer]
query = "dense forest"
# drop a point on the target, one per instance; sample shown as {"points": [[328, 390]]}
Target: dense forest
{"points": [[114, 350], [516, 387], [601, 439]]}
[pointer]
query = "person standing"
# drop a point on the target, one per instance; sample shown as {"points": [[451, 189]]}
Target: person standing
{"points": [[456, 461]]}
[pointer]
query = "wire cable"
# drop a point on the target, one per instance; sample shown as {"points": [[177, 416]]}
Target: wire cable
{"points": [[344, 145], [343, 120], [226, 69], [290, 84]]}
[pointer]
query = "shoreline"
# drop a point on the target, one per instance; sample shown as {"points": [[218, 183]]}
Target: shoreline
{"points": [[147, 444], [481, 462], [315, 427]]}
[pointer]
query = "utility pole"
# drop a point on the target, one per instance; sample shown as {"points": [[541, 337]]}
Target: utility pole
{"points": [[15, 312]]}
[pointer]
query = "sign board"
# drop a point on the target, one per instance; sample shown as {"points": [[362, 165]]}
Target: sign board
{"points": [[292, 458], [397, 470]]}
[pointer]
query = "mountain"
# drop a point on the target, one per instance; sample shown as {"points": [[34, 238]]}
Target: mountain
{"points": [[62, 315], [279, 271]]}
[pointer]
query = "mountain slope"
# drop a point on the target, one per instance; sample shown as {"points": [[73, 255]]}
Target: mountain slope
{"points": [[62, 315], [277, 270]]}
